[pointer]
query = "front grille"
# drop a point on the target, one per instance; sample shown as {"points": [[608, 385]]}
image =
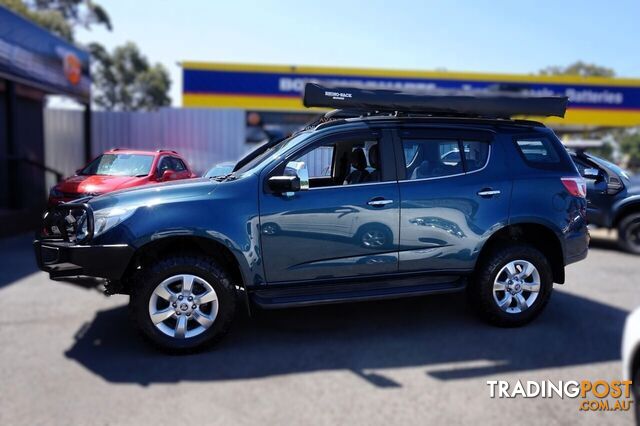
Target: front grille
{"points": [[64, 220], [72, 195]]}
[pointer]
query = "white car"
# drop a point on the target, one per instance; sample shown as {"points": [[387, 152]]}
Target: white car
{"points": [[631, 356]]}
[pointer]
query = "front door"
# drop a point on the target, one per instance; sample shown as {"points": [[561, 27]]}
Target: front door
{"points": [[597, 196], [346, 224]]}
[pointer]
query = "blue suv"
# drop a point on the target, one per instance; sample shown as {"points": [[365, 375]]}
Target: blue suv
{"points": [[613, 199], [358, 207]]}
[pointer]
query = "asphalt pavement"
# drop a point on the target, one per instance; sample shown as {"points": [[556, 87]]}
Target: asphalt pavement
{"points": [[69, 356]]}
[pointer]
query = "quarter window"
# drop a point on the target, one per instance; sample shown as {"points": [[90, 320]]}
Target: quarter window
{"points": [[538, 151]]}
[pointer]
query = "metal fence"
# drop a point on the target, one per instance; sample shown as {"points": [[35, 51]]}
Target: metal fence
{"points": [[64, 144], [318, 161], [203, 136]]}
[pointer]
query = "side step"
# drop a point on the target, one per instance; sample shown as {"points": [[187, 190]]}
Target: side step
{"points": [[296, 295]]}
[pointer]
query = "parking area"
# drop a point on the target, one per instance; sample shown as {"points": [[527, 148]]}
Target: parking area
{"points": [[69, 356]]}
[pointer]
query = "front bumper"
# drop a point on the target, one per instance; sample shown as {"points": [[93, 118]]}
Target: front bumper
{"points": [[63, 259], [60, 253]]}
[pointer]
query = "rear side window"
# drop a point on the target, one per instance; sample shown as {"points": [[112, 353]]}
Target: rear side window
{"points": [[430, 158], [538, 151]]}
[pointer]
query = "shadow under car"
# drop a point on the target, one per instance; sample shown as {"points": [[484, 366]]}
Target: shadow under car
{"points": [[362, 338]]}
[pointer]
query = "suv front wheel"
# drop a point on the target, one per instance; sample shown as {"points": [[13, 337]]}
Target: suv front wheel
{"points": [[512, 285], [182, 303]]}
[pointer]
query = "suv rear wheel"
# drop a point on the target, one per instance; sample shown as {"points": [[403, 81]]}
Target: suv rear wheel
{"points": [[629, 233], [512, 286], [181, 303]]}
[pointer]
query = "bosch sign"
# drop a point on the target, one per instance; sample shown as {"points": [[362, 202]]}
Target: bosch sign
{"points": [[593, 101]]}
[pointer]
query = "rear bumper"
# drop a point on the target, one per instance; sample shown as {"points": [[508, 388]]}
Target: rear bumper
{"points": [[63, 259], [576, 246]]}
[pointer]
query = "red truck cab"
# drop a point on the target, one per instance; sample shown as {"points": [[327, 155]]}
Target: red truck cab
{"points": [[119, 169]]}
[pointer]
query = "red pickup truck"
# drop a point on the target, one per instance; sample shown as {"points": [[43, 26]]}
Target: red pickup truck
{"points": [[119, 169]]}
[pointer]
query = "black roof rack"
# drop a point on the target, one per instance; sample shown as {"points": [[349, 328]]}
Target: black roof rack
{"points": [[167, 150], [488, 104]]}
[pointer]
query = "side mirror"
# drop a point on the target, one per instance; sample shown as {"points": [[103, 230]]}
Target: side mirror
{"points": [[591, 174], [296, 178], [282, 184], [299, 169], [167, 175]]}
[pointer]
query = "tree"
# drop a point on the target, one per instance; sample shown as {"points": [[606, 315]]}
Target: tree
{"points": [[580, 68], [125, 81], [630, 145], [61, 17]]}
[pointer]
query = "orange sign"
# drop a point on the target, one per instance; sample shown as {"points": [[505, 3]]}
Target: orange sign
{"points": [[72, 68]]}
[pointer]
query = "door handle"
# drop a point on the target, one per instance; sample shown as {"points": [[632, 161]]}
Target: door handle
{"points": [[379, 202], [488, 192]]}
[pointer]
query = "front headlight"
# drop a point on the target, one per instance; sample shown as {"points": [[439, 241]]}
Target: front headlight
{"points": [[82, 230], [103, 220]]}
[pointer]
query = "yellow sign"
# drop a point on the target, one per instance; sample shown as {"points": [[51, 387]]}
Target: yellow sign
{"points": [[593, 101]]}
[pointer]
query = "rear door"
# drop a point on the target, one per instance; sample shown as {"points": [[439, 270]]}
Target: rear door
{"points": [[453, 191]]}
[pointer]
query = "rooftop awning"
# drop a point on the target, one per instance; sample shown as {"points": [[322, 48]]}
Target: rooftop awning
{"points": [[440, 102]]}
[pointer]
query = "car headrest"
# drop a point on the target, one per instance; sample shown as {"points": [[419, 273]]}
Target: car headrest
{"points": [[374, 159], [358, 159], [422, 171]]}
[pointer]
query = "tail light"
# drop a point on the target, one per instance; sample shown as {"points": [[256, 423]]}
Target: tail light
{"points": [[576, 186]]}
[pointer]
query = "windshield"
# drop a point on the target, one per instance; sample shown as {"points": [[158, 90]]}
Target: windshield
{"points": [[219, 170], [616, 169], [119, 165], [279, 148]]}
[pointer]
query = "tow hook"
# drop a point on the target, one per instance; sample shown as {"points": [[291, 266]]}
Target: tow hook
{"points": [[112, 287]]}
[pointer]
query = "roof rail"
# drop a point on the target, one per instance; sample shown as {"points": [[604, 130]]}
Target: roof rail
{"points": [[477, 104], [167, 150]]}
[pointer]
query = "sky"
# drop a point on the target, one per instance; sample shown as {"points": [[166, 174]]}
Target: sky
{"points": [[483, 36]]}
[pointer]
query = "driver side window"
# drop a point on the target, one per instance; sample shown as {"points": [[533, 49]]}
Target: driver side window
{"points": [[351, 161], [163, 165], [581, 165]]}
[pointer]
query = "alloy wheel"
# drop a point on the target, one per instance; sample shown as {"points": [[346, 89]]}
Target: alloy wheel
{"points": [[516, 286], [183, 306]]}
